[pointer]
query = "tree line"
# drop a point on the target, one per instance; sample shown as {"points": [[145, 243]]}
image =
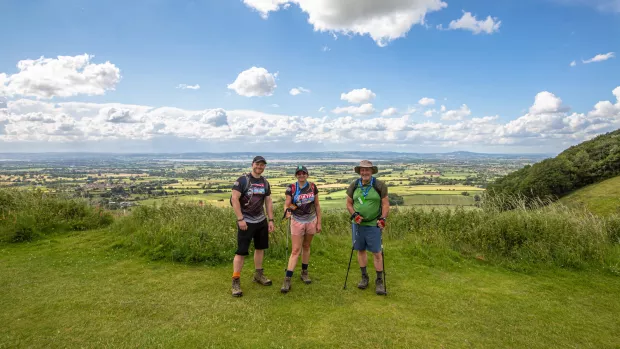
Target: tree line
{"points": [[578, 166]]}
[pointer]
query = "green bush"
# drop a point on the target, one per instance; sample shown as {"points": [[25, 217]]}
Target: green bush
{"points": [[25, 215], [545, 235]]}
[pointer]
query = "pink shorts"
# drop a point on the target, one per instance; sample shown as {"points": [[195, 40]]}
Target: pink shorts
{"points": [[298, 228]]}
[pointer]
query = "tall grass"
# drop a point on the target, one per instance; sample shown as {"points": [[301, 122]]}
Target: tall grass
{"points": [[528, 234], [25, 215]]}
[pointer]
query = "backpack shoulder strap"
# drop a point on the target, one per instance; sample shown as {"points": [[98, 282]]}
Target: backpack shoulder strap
{"points": [[376, 186], [247, 183]]}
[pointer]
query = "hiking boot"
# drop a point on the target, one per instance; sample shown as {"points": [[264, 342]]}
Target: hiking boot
{"points": [[364, 283], [261, 279], [380, 287], [236, 288], [286, 286], [304, 277]]}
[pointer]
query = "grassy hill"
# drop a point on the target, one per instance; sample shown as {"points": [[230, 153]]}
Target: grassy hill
{"points": [[75, 276], [601, 198], [576, 167]]}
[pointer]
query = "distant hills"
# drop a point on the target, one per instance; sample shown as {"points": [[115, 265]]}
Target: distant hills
{"points": [[349, 156], [578, 166]]}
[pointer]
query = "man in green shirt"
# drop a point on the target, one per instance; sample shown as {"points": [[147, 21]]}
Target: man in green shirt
{"points": [[368, 204]]}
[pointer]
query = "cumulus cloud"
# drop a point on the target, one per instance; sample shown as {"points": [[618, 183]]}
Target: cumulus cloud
{"points": [[546, 124], [358, 96], [459, 114], [322, 109], [383, 21], [573, 63], [298, 90], [468, 22], [364, 109], [254, 82], [426, 101], [546, 102], [600, 58], [64, 76], [191, 87], [389, 112]]}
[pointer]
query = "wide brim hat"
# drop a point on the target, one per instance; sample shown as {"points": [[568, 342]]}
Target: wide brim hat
{"points": [[368, 164]]}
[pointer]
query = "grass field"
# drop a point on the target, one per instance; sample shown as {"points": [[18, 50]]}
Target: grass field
{"points": [[601, 198], [77, 290]]}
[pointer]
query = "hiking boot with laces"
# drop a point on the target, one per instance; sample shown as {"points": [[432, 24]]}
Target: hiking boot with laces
{"points": [[261, 279], [286, 286], [304, 277], [380, 287], [364, 282], [236, 288]]}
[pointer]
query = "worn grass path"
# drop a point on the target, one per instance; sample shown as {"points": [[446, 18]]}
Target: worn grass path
{"points": [[76, 291]]}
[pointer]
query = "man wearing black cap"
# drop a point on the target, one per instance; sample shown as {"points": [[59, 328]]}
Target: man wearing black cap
{"points": [[249, 193]]}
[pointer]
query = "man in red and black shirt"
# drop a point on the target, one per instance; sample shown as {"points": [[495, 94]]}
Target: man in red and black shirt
{"points": [[250, 195]]}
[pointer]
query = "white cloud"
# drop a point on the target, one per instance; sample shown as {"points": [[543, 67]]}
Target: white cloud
{"points": [[468, 22], [389, 112], [429, 113], [275, 105], [383, 21], [298, 90], [322, 109], [64, 76], [547, 125], [573, 63], [191, 87], [254, 82], [426, 101], [325, 49], [364, 109], [358, 96], [459, 114], [600, 58], [546, 102]]}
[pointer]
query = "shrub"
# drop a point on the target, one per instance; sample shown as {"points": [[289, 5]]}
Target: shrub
{"points": [[25, 215]]}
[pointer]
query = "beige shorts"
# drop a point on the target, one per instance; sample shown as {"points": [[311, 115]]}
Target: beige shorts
{"points": [[298, 228]]}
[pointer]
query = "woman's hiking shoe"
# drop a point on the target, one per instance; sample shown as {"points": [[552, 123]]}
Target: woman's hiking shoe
{"points": [[380, 287], [261, 279], [236, 288], [286, 286], [304, 277], [364, 283]]}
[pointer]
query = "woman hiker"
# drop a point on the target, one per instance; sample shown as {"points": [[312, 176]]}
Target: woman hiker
{"points": [[304, 211]]}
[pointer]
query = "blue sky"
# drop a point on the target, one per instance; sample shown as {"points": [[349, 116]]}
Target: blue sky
{"points": [[158, 44]]}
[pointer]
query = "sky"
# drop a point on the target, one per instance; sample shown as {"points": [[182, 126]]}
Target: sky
{"points": [[526, 76]]}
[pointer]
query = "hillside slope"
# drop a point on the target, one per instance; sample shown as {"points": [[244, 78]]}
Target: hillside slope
{"points": [[578, 166], [601, 198]]}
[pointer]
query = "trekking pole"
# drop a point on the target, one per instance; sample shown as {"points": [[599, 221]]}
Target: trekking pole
{"points": [[289, 233], [383, 264], [350, 258]]}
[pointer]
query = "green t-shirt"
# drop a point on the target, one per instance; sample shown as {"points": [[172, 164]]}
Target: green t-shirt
{"points": [[370, 206]]}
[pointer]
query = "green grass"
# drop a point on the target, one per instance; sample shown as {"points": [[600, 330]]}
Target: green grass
{"points": [[78, 291], [601, 198]]}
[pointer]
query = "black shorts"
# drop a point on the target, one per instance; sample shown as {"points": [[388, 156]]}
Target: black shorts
{"points": [[259, 232]]}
